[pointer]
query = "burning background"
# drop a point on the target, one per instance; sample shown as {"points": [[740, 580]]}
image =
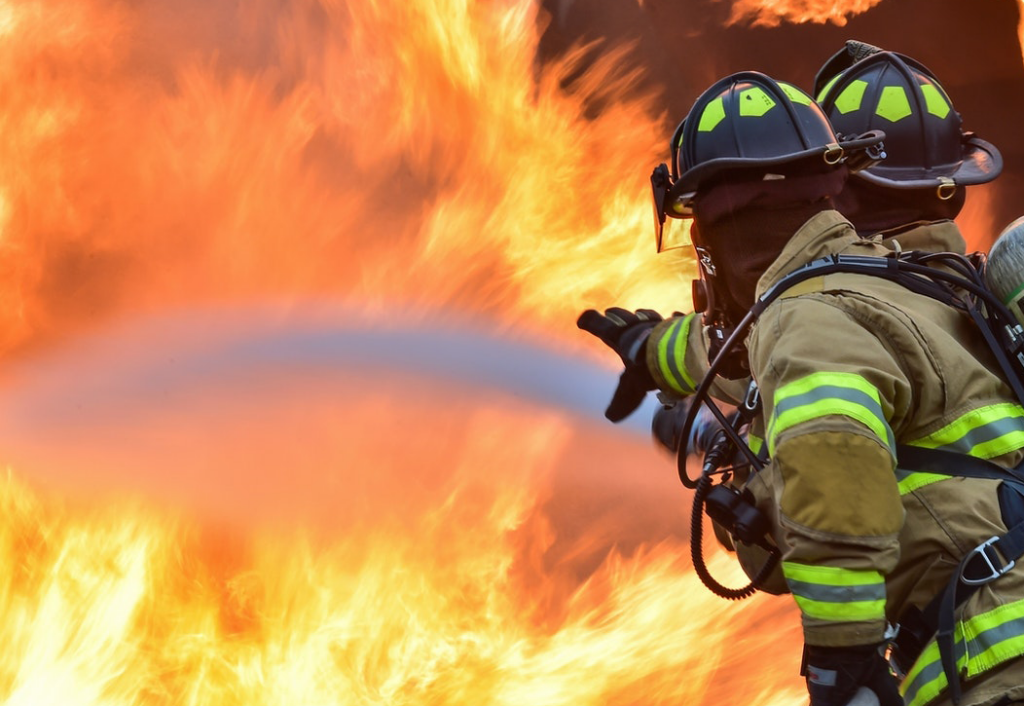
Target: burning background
{"points": [[292, 405]]}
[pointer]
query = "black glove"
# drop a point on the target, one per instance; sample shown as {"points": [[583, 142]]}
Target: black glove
{"points": [[835, 674], [625, 332]]}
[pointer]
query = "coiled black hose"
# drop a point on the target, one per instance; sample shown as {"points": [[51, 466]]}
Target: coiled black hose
{"points": [[697, 554]]}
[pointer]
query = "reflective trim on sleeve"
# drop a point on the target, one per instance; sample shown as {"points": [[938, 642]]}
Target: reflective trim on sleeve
{"points": [[986, 432], [824, 394], [672, 356], [836, 594], [982, 642]]}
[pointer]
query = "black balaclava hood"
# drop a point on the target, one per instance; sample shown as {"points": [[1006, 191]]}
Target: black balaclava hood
{"points": [[744, 225], [876, 209]]}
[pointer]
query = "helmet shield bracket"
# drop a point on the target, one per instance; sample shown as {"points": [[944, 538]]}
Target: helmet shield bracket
{"points": [[669, 231], [659, 189]]}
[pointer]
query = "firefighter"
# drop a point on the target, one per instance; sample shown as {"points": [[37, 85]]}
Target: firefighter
{"points": [[912, 196], [855, 373]]}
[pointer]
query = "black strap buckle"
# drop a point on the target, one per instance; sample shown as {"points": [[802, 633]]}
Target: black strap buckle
{"points": [[991, 563]]}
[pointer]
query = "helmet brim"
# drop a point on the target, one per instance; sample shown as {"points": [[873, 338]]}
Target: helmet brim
{"points": [[708, 170], [679, 198], [981, 163]]}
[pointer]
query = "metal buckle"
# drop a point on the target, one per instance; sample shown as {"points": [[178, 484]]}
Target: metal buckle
{"points": [[704, 257], [946, 189], [995, 572], [753, 397], [833, 154]]}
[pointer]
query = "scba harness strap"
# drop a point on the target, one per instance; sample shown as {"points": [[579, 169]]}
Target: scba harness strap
{"points": [[912, 270], [982, 565]]}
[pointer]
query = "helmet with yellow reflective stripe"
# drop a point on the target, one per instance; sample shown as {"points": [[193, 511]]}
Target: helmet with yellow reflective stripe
{"points": [[749, 122], [865, 88]]}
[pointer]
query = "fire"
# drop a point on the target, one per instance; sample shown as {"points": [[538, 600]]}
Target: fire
{"points": [[377, 561], [770, 13], [1020, 25], [247, 539], [125, 607], [368, 151]]}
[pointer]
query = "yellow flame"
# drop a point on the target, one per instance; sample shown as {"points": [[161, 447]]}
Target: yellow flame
{"points": [[387, 154], [450, 602], [1020, 25]]}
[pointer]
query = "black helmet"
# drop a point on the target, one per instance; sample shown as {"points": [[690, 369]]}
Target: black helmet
{"points": [[873, 89], [749, 122]]}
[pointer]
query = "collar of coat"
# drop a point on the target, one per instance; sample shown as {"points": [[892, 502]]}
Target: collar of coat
{"points": [[825, 233], [828, 233], [929, 236]]}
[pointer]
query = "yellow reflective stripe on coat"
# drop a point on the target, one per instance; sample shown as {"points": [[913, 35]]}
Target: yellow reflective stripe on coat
{"points": [[981, 643], [756, 443], [986, 432], [825, 394], [909, 481], [672, 356], [836, 594]]}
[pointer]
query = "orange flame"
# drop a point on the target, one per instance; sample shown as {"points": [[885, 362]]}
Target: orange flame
{"points": [[1020, 25], [382, 155], [370, 151], [771, 13], [469, 580]]}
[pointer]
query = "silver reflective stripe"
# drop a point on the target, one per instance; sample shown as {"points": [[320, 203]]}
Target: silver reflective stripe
{"points": [[837, 594], [994, 636], [827, 392], [984, 434], [930, 675]]}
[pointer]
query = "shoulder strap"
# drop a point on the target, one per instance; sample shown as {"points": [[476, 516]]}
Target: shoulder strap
{"points": [[950, 463], [983, 564]]}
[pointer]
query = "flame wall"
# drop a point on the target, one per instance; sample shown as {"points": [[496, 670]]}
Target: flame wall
{"points": [[289, 402]]}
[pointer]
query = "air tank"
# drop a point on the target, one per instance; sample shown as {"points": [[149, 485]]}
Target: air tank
{"points": [[1004, 272]]}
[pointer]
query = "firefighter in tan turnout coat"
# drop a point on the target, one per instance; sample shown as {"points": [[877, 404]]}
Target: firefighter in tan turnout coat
{"points": [[878, 405]]}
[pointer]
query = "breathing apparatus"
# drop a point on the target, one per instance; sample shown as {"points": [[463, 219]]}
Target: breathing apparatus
{"points": [[1004, 273]]}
